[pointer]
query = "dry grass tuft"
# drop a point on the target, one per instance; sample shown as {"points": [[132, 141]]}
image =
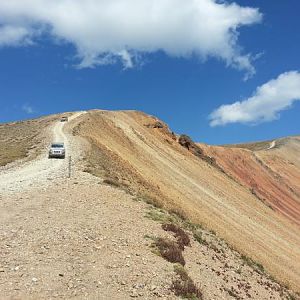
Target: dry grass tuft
{"points": [[199, 238], [182, 237], [179, 212], [149, 200], [112, 182], [170, 250], [184, 286], [253, 264]]}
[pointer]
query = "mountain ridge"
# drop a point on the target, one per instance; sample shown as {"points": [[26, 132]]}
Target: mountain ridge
{"points": [[141, 155], [174, 174]]}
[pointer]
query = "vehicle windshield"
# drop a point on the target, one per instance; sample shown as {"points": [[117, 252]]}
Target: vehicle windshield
{"points": [[57, 146]]}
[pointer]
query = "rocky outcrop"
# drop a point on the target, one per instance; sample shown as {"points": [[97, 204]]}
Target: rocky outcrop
{"points": [[156, 124], [185, 141]]}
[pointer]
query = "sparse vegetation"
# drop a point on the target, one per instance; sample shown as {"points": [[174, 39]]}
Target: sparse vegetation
{"points": [[159, 215], [118, 152], [179, 213], [149, 200], [171, 222], [253, 264], [148, 237], [184, 285], [199, 238], [181, 236], [21, 138], [170, 250], [112, 182], [255, 146], [171, 216]]}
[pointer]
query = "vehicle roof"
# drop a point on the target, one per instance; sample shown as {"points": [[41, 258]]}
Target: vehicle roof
{"points": [[57, 143]]}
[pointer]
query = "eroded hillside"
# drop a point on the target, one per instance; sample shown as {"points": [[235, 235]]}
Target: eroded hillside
{"points": [[271, 171], [139, 152], [162, 218]]}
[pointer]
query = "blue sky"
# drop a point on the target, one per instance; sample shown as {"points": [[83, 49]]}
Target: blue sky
{"points": [[50, 72]]}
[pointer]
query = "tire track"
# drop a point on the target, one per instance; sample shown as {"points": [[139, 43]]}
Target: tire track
{"points": [[40, 171]]}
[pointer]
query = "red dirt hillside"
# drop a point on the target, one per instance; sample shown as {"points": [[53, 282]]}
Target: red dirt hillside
{"points": [[271, 171]]}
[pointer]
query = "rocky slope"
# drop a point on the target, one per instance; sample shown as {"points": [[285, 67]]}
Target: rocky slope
{"points": [[106, 233], [140, 153]]}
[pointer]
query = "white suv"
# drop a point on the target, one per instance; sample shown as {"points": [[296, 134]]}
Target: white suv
{"points": [[57, 150]]}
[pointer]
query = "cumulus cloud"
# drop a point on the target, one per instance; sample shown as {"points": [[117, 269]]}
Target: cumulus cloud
{"points": [[14, 35], [265, 104], [105, 31]]}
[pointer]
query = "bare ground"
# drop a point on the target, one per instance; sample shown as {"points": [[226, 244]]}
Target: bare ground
{"points": [[80, 238], [271, 174], [129, 148], [22, 140]]}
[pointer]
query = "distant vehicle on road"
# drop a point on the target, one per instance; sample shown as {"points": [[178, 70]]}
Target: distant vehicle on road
{"points": [[64, 119], [57, 150]]}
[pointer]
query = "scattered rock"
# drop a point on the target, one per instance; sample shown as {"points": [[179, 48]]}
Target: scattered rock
{"points": [[134, 293], [156, 124]]}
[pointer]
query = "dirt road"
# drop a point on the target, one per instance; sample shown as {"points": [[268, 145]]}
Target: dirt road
{"points": [[36, 173], [74, 238], [78, 238]]}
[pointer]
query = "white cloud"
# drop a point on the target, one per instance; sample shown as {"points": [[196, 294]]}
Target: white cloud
{"points": [[265, 104], [14, 35], [28, 109], [104, 31]]}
